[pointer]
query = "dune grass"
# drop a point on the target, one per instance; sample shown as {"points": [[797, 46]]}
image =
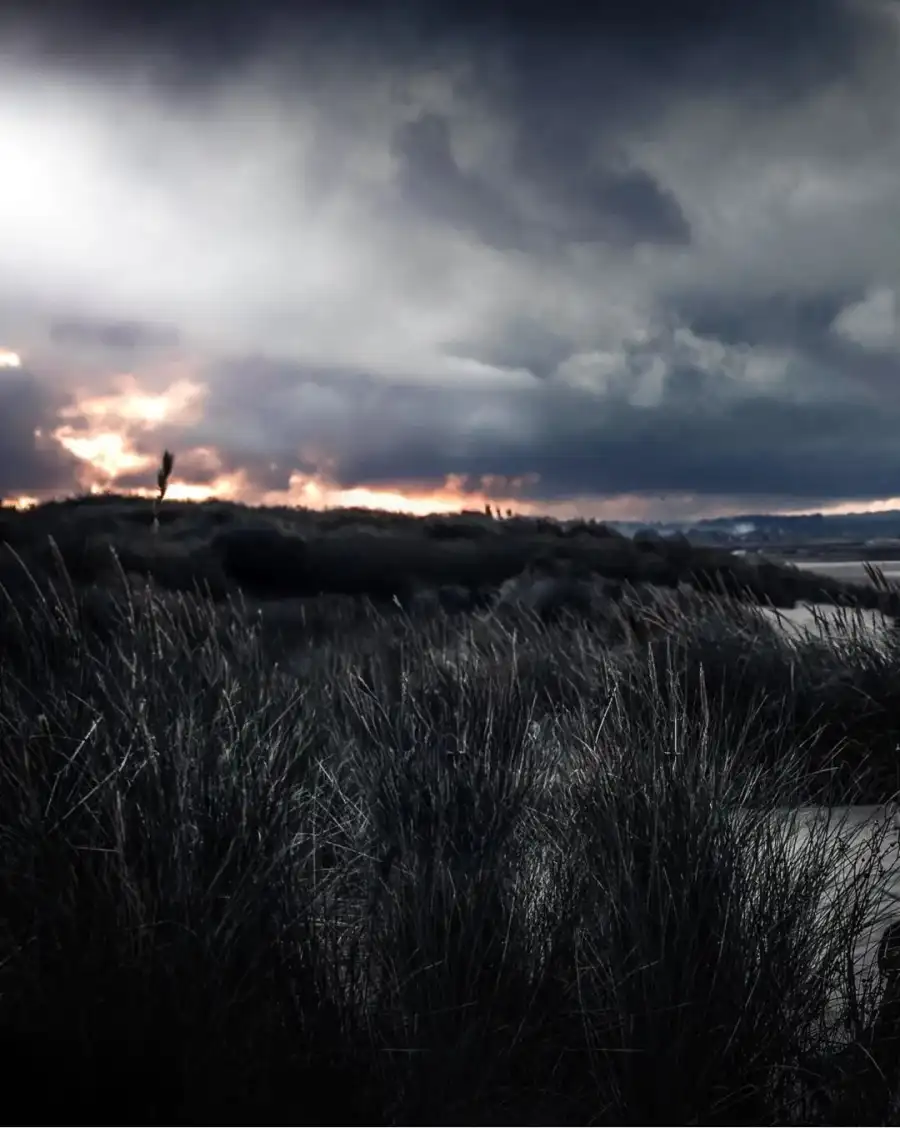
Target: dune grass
{"points": [[442, 871]]}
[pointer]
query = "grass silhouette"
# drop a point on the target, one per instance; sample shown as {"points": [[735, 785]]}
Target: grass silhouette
{"points": [[373, 867]]}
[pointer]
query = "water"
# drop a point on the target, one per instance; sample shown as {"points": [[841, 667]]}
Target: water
{"points": [[870, 837], [803, 618], [871, 834], [852, 570]]}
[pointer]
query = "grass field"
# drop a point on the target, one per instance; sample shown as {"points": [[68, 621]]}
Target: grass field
{"points": [[358, 859]]}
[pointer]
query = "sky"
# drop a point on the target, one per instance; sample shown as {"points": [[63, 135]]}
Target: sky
{"points": [[637, 264]]}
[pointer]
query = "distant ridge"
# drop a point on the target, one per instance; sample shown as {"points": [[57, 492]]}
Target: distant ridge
{"points": [[778, 526]]}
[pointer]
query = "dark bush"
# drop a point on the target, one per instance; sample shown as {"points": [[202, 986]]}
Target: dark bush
{"points": [[264, 561]]}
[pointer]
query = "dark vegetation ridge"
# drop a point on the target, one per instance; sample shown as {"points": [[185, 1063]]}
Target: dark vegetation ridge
{"points": [[342, 818], [276, 553]]}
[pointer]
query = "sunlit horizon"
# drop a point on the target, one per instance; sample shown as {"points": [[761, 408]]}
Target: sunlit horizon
{"points": [[308, 492], [110, 435]]}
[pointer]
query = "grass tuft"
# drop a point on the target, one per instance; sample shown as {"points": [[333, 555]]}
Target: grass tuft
{"points": [[454, 869]]}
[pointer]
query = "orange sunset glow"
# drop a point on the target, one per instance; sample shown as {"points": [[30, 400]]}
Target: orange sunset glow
{"points": [[101, 432], [120, 434], [112, 437]]}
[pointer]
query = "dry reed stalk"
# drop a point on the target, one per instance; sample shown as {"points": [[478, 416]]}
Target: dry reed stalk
{"points": [[162, 483]]}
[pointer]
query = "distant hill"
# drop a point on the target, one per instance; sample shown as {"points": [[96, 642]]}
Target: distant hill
{"points": [[777, 528]]}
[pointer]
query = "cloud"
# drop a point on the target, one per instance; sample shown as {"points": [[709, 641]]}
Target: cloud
{"points": [[629, 205], [126, 336], [519, 342], [673, 414], [31, 460], [583, 204], [623, 254], [871, 322], [432, 183]]}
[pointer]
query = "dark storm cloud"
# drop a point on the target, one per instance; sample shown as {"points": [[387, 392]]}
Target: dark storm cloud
{"points": [[626, 207], [761, 447], [519, 342], [31, 461], [572, 84], [663, 212], [774, 319], [695, 440], [807, 28], [124, 336], [314, 418], [562, 110], [562, 72], [621, 207], [806, 323], [431, 182]]}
